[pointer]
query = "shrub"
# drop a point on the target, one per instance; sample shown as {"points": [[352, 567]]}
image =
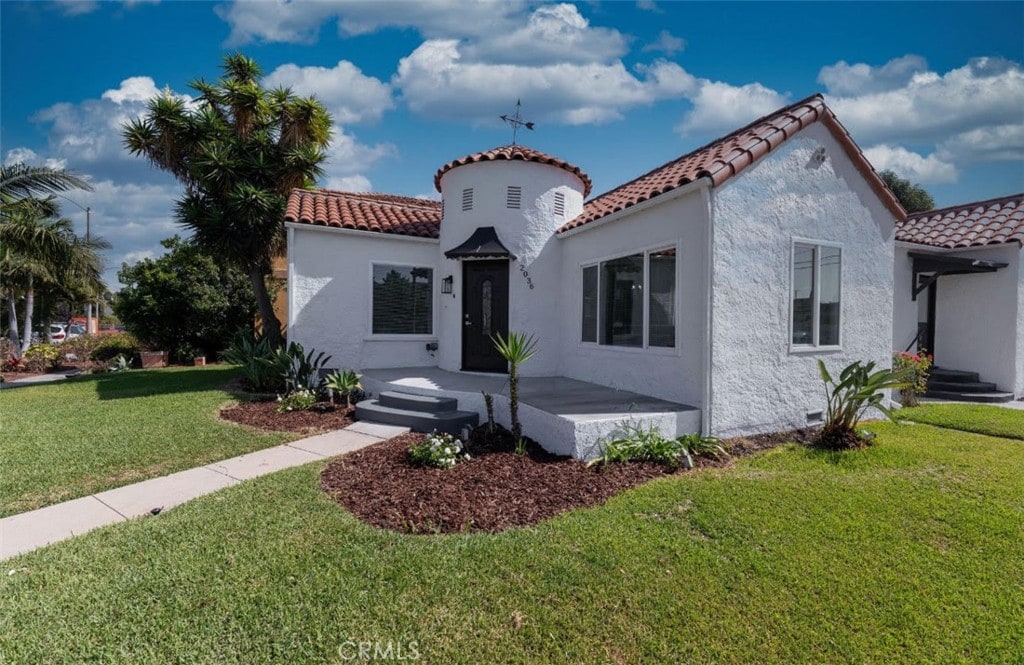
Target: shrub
{"points": [[300, 400], [441, 451], [343, 383], [41, 357], [257, 359], [120, 364], [857, 390], [648, 445], [918, 366], [80, 348], [301, 369], [114, 345]]}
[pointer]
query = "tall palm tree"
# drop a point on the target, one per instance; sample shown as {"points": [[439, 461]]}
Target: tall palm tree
{"points": [[21, 181], [238, 150]]}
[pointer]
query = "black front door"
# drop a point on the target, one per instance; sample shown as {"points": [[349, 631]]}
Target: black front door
{"points": [[484, 313]]}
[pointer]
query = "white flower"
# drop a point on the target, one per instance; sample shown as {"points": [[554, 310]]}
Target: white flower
{"points": [[466, 457]]}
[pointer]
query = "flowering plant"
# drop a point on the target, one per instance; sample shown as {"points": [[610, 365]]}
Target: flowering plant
{"points": [[442, 451], [918, 364], [300, 400]]}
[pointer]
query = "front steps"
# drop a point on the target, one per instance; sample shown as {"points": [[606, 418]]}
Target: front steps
{"points": [[963, 387], [420, 413]]}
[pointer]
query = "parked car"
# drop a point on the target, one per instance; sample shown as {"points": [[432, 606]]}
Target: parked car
{"points": [[56, 333], [75, 330]]}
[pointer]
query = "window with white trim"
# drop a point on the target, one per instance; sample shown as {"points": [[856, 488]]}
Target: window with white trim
{"points": [[402, 300], [815, 297], [631, 300]]}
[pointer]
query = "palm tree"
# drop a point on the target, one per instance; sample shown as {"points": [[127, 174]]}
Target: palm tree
{"points": [[516, 349], [238, 150], [21, 181]]}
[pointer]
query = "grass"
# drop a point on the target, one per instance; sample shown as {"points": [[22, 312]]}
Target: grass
{"points": [[909, 551], [980, 418], [67, 440]]}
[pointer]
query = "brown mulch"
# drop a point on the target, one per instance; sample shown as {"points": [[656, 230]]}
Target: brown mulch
{"points": [[496, 489], [264, 415]]}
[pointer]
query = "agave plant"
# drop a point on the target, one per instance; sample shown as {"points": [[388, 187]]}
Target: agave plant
{"points": [[857, 390], [516, 349], [301, 370], [254, 355], [343, 382]]}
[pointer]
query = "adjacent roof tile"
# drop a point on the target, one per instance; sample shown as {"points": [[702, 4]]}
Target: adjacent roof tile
{"points": [[992, 222], [363, 211], [513, 153], [726, 157]]}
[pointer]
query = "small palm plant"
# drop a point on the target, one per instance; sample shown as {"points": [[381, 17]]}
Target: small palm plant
{"points": [[343, 382], [857, 390], [516, 349]]}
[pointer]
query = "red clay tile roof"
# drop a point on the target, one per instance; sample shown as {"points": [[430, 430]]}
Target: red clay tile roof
{"points": [[992, 222], [726, 157], [383, 213], [514, 152]]}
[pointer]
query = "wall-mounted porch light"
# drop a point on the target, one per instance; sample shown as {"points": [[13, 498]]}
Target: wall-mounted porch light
{"points": [[446, 284]]}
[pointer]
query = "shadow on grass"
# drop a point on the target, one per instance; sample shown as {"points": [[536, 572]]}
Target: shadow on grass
{"points": [[168, 381]]}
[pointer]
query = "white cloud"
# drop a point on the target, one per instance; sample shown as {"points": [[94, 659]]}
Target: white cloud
{"points": [[666, 43], [349, 95], [29, 156], [996, 143], [132, 89], [437, 82], [351, 183], [722, 107], [910, 165], [648, 6], [132, 258], [76, 7], [844, 79], [347, 161]]}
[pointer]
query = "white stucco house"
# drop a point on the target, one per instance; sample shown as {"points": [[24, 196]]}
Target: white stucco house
{"points": [[959, 285], [698, 296]]}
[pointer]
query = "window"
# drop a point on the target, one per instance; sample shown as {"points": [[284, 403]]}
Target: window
{"points": [[560, 204], [817, 277], [467, 199], [402, 300], [514, 197], [631, 300]]}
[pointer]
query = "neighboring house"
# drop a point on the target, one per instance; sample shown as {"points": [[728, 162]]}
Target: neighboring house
{"points": [[960, 295], [714, 282]]}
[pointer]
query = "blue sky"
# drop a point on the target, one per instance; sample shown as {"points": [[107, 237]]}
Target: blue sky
{"points": [[934, 91]]}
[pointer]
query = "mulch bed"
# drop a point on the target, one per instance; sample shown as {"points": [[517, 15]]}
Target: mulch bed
{"points": [[495, 490], [264, 415]]}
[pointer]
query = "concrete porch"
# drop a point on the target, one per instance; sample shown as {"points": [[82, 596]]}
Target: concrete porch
{"points": [[566, 416]]}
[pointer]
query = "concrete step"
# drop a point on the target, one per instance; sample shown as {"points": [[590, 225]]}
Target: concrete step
{"points": [[987, 398], [410, 402], [964, 387], [952, 375], [451, 422]]}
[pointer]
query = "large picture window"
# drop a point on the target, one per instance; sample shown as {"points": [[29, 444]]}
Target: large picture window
{"points": [[402, 300], [631, 300], [815, 296]]}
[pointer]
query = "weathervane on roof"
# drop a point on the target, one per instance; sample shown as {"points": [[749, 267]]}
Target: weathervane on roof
{"points": [[516, 121]]}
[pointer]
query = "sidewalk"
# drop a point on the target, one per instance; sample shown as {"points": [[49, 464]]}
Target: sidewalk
{"points": [[38, 379], [28, 531]]}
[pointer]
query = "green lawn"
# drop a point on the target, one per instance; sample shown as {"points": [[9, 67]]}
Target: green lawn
{"points": [[62, 441], [980, 418], [910, 551]]}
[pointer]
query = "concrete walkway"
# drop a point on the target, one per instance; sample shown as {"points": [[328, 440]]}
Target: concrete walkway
{"points": [[38, 379], [28, 531]]}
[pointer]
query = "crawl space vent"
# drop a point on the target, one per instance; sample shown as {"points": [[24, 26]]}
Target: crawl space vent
{"points": [[560, 204], [467, 199], [514, 197]]}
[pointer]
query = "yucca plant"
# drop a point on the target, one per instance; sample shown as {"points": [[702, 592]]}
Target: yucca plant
{"points": [[516, 349], [857, 390], [255, 356], [343, 382], [301, 369]]}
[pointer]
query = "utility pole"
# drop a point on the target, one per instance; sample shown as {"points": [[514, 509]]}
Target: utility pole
{"points": [[88, 305]]}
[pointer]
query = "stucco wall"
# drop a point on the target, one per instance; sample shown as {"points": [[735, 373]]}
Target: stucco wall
{"points": [[758, 383], [904, 313], [527, 232], [329, 293], [672, 374], [978, 320], [1019, 388]]}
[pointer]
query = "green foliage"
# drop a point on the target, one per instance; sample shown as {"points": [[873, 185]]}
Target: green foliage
{"points": [[301, 370], [80, 347], [343, 383], [517, 349], [917, 366], [120, 364], [186, 301], [299, 400], [639, 444], [980, 418], [441, 451], [114, 345], [238, 149], [913, 198], [41, 357], [258, 361], [857, 390]]}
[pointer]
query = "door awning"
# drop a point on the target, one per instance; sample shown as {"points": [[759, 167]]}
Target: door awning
{"points": [[938, 265], [483, 244]]}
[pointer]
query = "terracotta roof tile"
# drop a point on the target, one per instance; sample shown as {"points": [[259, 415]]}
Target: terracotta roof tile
{"points": [[513, 153], [992, 222], [362, 211], [726, 157]]}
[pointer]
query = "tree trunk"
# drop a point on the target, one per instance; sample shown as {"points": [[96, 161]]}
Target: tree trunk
{"points": [[12, 324], [513, 403], [271, 326], [30, 302]]}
